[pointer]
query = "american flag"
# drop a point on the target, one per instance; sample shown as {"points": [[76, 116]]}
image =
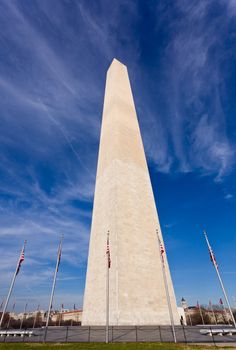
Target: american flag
{"points": [[59, 257], [162, 250], [108, 254], [221, 301], [212, 257], [21, 259]]}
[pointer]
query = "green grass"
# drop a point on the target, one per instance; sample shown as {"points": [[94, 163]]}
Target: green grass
{"points": [[102, 346]]}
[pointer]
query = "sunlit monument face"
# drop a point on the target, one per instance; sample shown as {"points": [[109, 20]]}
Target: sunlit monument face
{"points": [[124, 205]]}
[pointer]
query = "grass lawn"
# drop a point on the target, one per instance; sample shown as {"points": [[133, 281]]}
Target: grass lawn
{"points": [[102, 346]]}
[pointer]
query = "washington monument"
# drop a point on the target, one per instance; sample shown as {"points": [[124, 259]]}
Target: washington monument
{"points": [[124, 204]]}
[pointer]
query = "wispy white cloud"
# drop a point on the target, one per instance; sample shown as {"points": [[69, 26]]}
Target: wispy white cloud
{"points": [[231, 5], [170, 225], [213, 152], [228, 196], [194, 117]]}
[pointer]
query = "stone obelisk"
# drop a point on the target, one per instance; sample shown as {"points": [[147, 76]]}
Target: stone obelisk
{"points": [[124, 204]]}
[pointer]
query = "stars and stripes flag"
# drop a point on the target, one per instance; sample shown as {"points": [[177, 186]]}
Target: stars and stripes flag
{"points": [[59, 257], [21, 259], [162, 250], [212, 257], [221, 302], [108, 253]]}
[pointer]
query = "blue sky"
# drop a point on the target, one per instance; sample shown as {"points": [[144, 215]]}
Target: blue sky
{"points": [[53, 61]]}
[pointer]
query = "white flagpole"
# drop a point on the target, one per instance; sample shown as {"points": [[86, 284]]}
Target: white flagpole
{"points": [[36, 314], [72, 318], [23, 317], [12, 285], [107, 288], [212, 311], [60, 315], [225, 312], [53, 287], [1, 304], [220, 280], [200, 311], [9, 321], [166, 288]]}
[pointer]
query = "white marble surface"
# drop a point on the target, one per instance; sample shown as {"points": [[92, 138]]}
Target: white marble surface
{"points": [[124, 205]]}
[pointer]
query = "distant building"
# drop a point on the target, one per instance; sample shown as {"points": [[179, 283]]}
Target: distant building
{"points": [[26, 315], [66, 315], [56, 316], [75, 315], [218, 316]]}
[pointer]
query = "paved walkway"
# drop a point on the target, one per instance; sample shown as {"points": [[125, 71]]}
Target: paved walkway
{"points": [[118, 334]]}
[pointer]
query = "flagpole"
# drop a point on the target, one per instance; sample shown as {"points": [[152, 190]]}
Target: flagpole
{"points": [[36, 316], [12, 285], [220, 280], [60, 315], [9, 321], [214, 316], [107, 289], [166, 288], [53, 287], [21, 324], [72, 318], [224, 312], [200, 311], [1, 304]]}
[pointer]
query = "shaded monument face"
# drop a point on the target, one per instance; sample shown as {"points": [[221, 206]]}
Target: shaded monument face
{"points": [[124, 204]]}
